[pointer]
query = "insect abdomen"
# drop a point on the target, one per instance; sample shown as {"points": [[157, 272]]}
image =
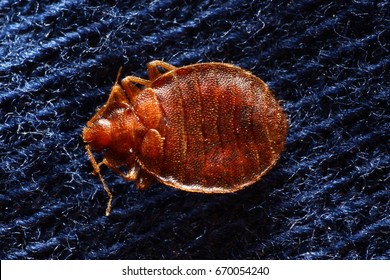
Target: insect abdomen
{"points": [[217, 132]]}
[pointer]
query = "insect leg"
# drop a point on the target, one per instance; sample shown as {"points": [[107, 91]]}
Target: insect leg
{"points": [[144, 180], [131, 89], [131, 175], [153, 72]]}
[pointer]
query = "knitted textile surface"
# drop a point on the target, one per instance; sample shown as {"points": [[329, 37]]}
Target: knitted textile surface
{"points": [[327, 197]]}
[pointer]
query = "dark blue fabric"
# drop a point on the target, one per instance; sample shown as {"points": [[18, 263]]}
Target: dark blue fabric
{"points": [[327, 198]]}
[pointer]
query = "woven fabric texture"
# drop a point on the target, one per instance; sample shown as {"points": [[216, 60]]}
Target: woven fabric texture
{"points": [[328, 196]]}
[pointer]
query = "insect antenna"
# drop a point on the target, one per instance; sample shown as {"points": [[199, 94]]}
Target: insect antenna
{"points": [[118, 75], [96, 168]]}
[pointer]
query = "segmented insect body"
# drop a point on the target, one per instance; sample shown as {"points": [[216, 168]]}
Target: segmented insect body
{"points": [[207, 127]]}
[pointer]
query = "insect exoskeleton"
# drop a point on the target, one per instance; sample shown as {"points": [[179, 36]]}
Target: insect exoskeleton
{"points": [[206, 127]]}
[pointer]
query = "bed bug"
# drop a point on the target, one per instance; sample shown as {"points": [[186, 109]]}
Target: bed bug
{"points": [[207, 128]]}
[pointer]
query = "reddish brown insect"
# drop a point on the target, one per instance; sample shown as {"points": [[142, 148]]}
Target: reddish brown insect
{"points": [[207, 127]]}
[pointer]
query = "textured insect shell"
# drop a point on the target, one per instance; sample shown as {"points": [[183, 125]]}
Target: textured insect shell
{"points": [[222, 128]]}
